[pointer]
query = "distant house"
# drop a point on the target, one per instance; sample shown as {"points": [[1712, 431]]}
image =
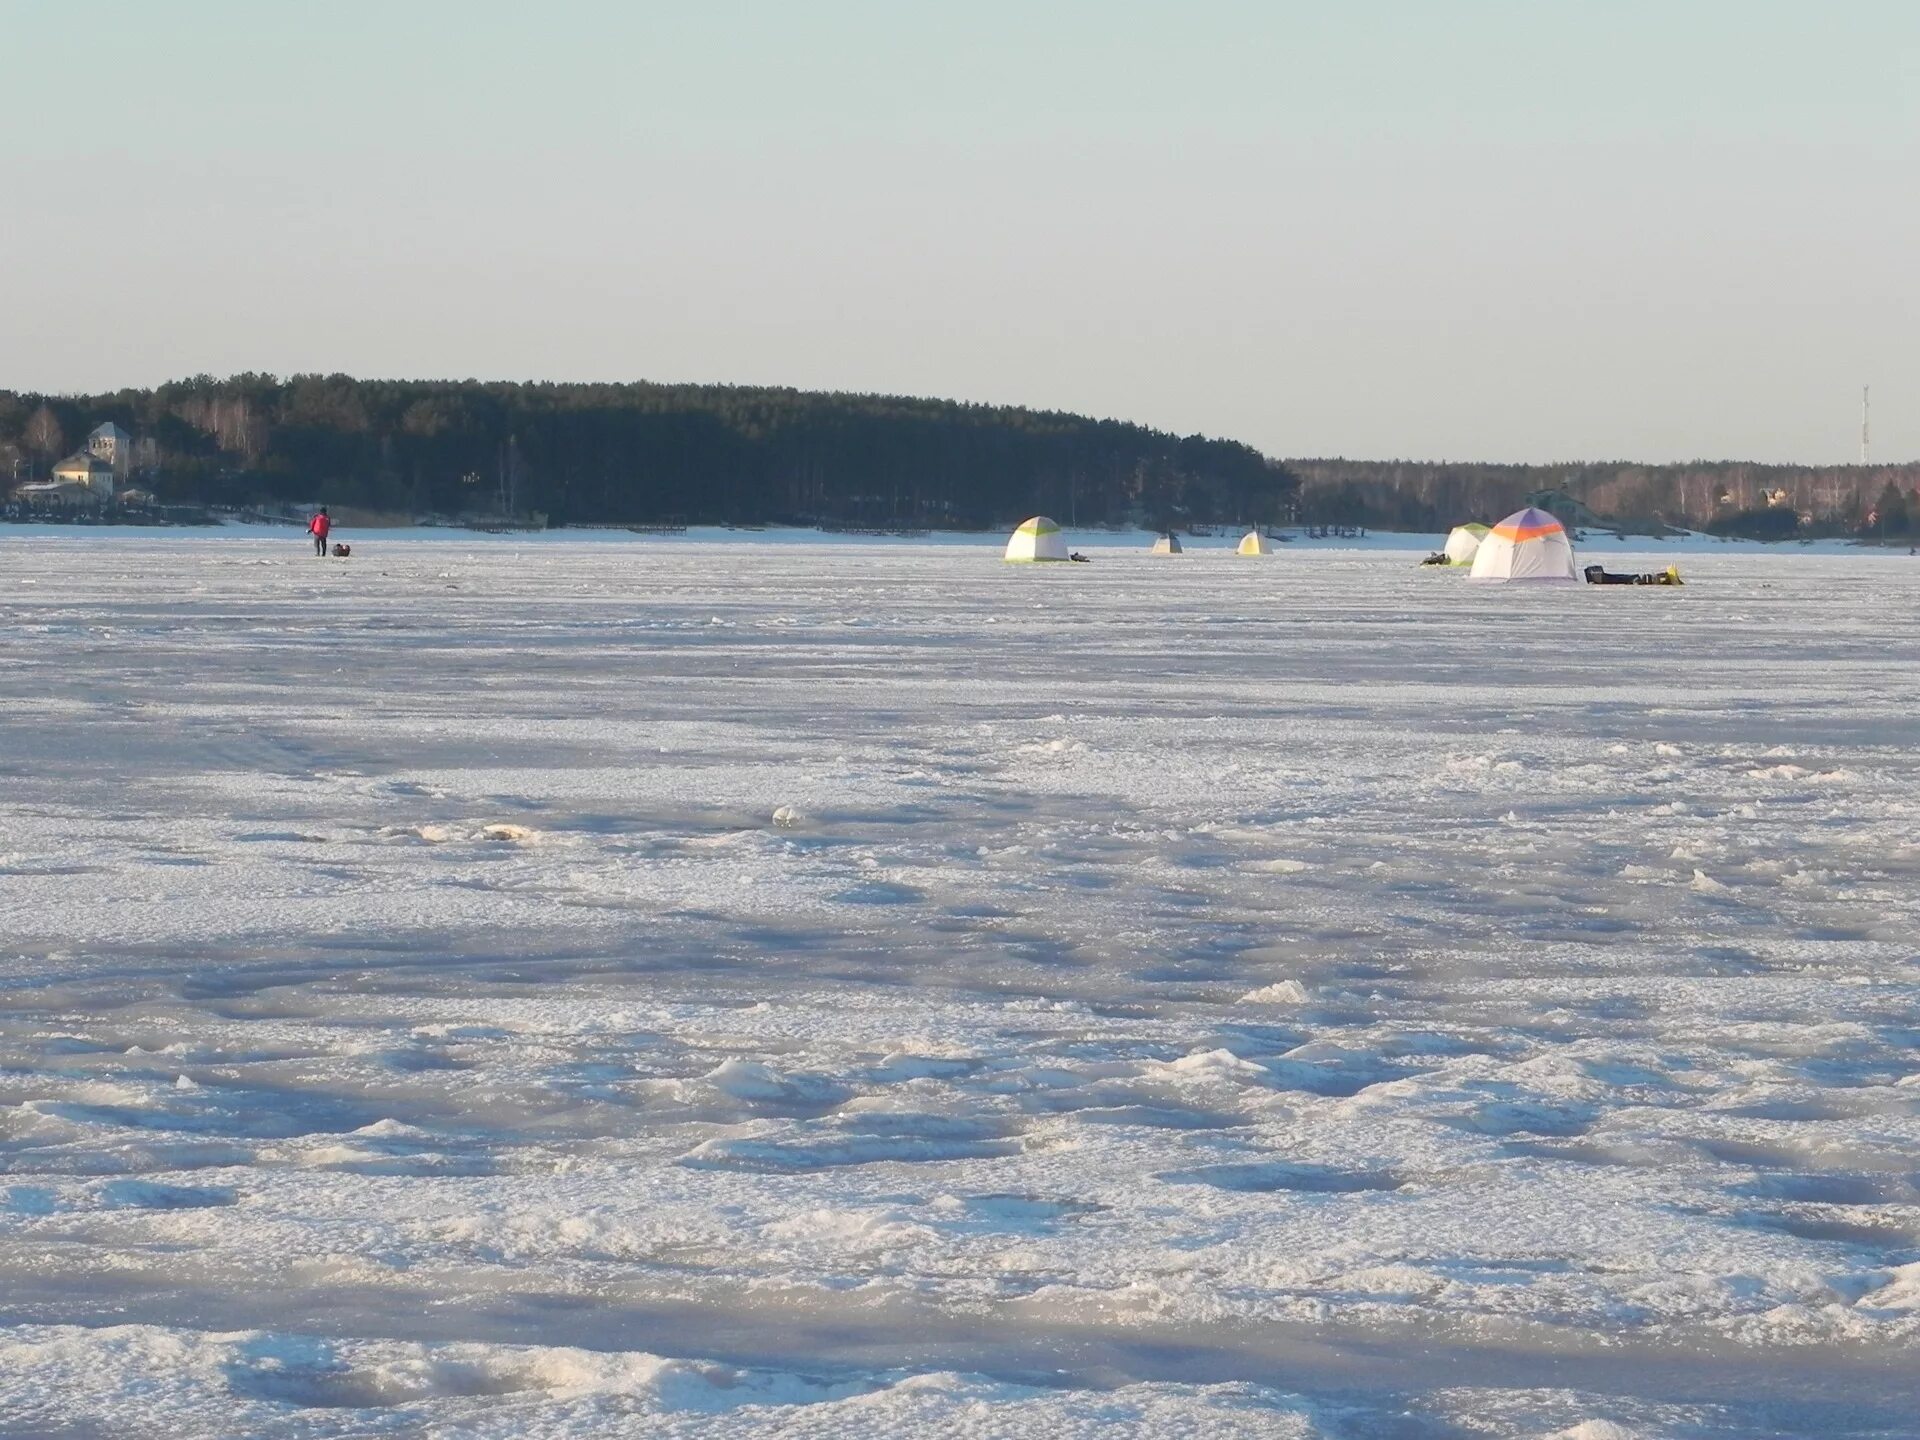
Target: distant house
{"points": [[87, 471], [113, 445]]}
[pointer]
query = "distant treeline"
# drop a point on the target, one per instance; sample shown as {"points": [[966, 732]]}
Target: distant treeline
{"points": [[645, 453], [1773, 502], [666, 454]]}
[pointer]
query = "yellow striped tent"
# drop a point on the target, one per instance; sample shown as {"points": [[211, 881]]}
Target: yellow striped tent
{"points": [[1037, 539]]}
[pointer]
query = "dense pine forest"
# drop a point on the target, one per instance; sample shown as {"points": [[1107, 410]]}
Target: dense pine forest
{"points": [[639, 454], [1728, 497], [645, 453]]}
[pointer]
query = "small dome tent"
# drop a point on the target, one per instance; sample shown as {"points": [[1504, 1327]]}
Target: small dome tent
{"points": [[1254, 543], [1037, 539], [1463, 541], [1528, 545], [1167, 544]]}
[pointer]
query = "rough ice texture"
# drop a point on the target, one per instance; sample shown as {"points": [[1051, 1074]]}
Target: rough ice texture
{"points": [[566, 989]]}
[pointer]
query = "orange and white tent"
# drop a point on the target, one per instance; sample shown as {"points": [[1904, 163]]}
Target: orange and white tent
{"points": [[1528, 545]]}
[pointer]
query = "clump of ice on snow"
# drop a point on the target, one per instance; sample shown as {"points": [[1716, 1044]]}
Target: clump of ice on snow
{"points": [[1218, 1066], [390, 1128], [752, 1080], [1281, 867], [493, 831], [1282, 992], [504, 831]]}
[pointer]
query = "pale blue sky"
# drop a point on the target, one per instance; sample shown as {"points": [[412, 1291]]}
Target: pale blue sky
{"points": [[1474, 230]]}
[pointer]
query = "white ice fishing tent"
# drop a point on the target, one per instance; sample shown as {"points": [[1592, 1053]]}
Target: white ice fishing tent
{"points": [[1168, 544], [1254, 543], [1463, 543], [1037, 539], [1528, 545]]}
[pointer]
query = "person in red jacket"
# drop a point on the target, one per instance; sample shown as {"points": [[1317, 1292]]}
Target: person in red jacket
{"points": [[319, 527]]}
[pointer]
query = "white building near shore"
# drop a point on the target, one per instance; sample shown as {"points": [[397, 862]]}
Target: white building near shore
{"points": [[83, 479], [115, 446]]}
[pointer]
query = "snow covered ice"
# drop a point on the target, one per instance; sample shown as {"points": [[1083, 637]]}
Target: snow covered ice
{"points": [[525, 987]]}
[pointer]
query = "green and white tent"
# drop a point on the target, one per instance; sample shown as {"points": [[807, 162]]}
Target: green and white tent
{"points": [[1167, 544], [1463, 541], [1037, 539], [1254, 543]]}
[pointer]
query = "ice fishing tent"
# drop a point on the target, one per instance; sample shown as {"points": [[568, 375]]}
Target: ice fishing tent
{"points": [[1528, 545], [1168, 544], [1463, 542], [1037, 539], [1254, 543]]}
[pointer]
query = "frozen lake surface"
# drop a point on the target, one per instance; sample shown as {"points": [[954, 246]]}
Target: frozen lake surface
{"points": [[493, 988]]}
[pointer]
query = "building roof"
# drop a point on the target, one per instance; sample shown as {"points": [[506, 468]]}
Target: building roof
{"points": [[83, 460], [108, 431], [56, 489]]}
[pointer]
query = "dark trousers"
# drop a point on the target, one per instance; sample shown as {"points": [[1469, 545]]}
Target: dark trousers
{"points": [[319, 544]]}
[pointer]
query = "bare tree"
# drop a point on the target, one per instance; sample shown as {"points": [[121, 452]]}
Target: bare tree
{"points": [[44, 433]]}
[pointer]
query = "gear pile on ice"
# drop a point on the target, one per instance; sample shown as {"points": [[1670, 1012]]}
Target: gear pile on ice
{"points": [[1600, 575]]}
